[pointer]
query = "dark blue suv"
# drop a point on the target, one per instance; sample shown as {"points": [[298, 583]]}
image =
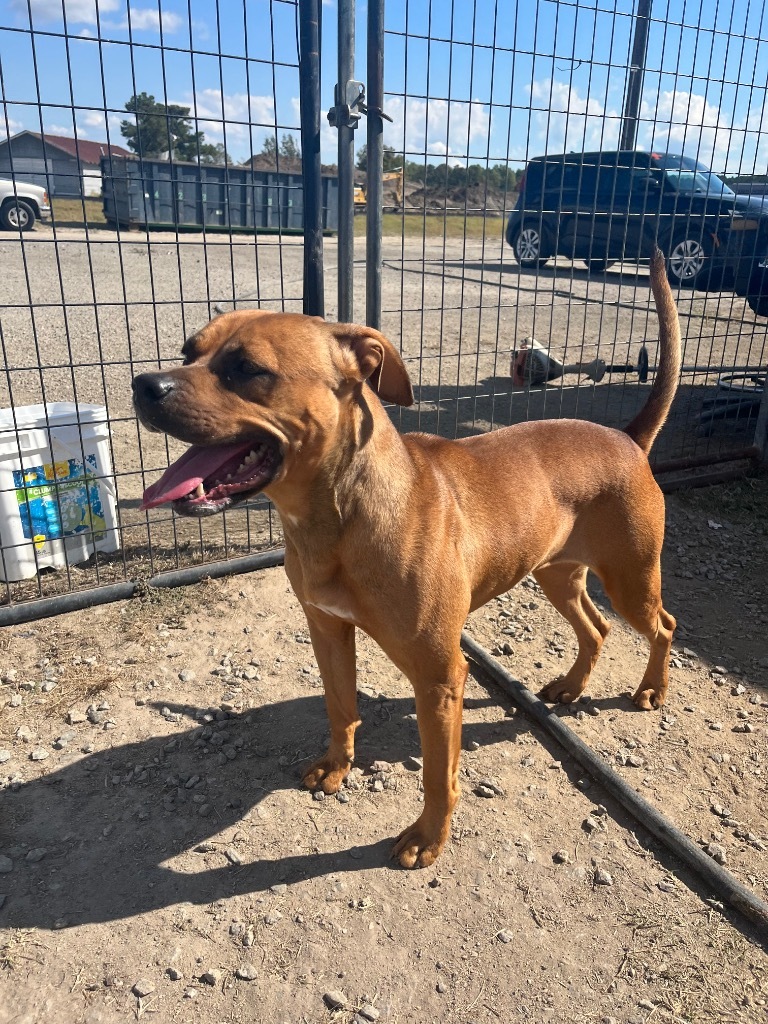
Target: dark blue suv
{"points": [[610, 206]]}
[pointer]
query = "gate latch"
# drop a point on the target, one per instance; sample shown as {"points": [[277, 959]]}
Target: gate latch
{"points": [[347, 114]]}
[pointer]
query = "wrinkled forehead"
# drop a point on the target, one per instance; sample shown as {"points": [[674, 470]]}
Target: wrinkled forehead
{"points": [[278, 340]]}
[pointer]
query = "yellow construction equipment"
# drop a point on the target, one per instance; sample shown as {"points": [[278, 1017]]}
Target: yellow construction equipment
{"points": [[395, 175]]}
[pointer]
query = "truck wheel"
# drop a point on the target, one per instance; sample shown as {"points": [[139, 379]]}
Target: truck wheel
{"points": [[16, 215]]}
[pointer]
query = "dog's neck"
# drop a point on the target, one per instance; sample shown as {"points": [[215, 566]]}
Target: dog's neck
{"points": [[365, 466]]}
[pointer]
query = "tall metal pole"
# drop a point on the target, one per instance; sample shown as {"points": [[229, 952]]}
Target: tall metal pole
{"points": [[346, 129], [311, 169], [761, 431], [374, 196], [636, 72]]}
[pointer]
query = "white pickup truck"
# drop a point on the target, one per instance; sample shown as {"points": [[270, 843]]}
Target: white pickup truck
{"points": [[21, 204]]}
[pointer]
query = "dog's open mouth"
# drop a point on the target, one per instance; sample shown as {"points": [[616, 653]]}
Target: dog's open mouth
{"points": [[205, 480]]}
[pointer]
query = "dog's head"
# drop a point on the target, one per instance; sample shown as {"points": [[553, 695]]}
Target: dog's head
{"points": [[259, 394]]}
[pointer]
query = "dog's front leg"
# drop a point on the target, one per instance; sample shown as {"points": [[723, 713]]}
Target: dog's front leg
{"points": [[439, 704], [333, 641]]}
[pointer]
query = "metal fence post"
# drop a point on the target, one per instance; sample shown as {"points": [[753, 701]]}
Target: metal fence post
{"points": [[642, 24], [761, 431], [309, 87], [344, 118], [374, 195]]}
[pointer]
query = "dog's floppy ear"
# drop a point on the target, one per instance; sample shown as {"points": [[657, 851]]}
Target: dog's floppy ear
{"points": [[378, 362]]}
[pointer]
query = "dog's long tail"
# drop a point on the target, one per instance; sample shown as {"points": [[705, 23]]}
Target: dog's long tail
{"points": [[649, 421]]}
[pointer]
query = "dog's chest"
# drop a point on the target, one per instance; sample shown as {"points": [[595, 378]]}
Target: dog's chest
{"points": [[337, 608], [328, 593]]}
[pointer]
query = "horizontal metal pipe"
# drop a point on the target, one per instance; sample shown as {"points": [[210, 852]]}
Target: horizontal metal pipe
{"points": [[723, 883], [677, 483], [693, 461], [75, 601]]}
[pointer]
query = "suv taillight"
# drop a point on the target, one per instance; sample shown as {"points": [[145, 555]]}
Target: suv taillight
{"points": [[521, 186], [46, 200]]}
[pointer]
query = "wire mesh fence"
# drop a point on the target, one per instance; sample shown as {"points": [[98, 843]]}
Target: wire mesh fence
{"points": [[194, 89], [531, 202], [515, 213]]}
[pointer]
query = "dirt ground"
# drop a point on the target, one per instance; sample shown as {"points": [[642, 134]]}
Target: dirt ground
{"points": [[158, 856]]}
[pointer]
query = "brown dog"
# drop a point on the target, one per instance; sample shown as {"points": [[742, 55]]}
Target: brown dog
{"points": [[403, 536]]}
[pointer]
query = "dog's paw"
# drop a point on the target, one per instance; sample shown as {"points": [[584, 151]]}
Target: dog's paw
{"points": [[648, 699], [560, 691], [326, 775], [416, 847]]}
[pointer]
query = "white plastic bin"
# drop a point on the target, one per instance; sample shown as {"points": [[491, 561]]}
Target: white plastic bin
{"points": [[57, 492]]}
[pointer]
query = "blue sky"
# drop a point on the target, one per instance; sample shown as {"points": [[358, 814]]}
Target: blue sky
{"points": [[554, 80]]}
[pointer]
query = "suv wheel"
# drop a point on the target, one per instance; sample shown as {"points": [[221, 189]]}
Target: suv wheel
{"points": [[17, 215], [688, 262], [527, 245], [757, 293]]}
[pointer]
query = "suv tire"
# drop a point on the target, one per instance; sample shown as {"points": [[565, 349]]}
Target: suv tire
{"points": [[528, 245], [689, 261], [16, 215], [757, 293]]}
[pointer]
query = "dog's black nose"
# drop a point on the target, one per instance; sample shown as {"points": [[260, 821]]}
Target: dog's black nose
{"points": [[152, 387]]}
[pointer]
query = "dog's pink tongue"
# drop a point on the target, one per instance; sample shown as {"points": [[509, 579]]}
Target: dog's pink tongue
{"points": [[186, 473]]}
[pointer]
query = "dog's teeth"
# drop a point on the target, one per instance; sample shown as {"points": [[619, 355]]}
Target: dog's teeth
{"points": [[199, 491], [229, 476], [241, 467]]}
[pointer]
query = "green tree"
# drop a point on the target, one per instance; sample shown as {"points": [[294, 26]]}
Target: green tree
{"points": [[160, 128], [392, 159], [213, 154], [289, 150], [269, 148]]}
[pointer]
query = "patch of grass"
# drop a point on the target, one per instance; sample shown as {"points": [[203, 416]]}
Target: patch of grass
{"points": [[18, 948], [77, 212], [414, 225]]}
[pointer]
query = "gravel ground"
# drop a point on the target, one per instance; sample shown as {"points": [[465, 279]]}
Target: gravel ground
{"points": [[157, 855]]}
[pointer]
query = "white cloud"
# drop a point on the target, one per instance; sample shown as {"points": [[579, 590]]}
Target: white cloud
{"points": [[200, 31], [145, 19], [564, 120], [243, 117], [438, 127], [675, 121], [77, 11], [61, 129], [686, 122], [93, 125], [11, 127]]}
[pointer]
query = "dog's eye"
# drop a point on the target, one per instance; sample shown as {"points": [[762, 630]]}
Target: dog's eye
{"points": [[250, 369]]}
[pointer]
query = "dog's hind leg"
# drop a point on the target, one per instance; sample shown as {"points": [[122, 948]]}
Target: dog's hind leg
{"points": [[566, 587], [635, 593]]}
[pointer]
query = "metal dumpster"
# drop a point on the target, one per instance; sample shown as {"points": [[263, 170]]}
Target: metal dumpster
{"points": [[158, 194]]}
